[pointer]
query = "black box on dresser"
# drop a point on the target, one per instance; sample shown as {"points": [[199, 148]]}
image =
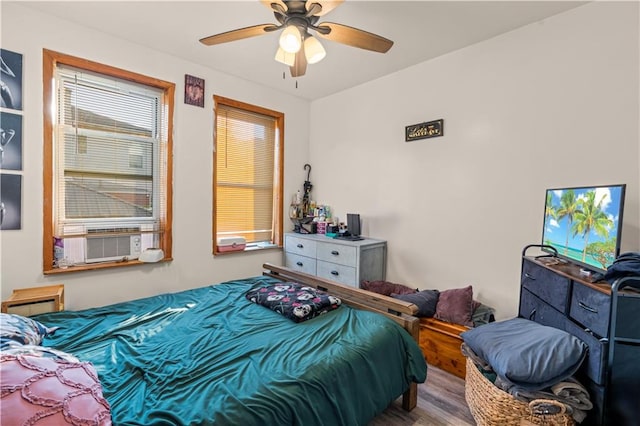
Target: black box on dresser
{"points": [[606, 317]]}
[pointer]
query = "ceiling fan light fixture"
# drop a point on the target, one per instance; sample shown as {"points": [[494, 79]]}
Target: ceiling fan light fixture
{"points": [[291, 39], [313, 50], [285, 57]]}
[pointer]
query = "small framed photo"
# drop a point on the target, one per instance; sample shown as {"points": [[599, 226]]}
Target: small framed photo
{"points": [[193, 90]]}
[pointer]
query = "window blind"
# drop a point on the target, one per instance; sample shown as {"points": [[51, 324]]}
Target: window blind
{"points": [[109, 152], [245, 174]]}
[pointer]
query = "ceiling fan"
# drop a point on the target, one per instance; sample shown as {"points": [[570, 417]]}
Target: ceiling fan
{"points": [[297, 47]]}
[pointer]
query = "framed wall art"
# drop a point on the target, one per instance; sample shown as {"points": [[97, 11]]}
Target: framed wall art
{"points": [[10, 141], [429, 129], [10, 201], [193, 90], [11, 79]]}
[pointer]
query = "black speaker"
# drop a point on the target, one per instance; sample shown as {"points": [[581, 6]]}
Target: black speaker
{"points": [[353, 224]]}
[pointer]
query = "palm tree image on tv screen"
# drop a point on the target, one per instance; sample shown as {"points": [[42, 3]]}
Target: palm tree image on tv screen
{"points": [[584, 224]]}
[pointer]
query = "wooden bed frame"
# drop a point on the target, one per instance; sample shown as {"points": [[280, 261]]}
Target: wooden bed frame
{"points": [[399, 311]]}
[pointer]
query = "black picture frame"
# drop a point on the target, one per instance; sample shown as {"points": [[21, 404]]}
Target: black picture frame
{"points": [[193, 90], [10, 141], [10, 201], [11, 79], [426, 130]]}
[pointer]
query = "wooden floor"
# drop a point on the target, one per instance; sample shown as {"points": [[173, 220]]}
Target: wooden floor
{"points": [[440, 403]]}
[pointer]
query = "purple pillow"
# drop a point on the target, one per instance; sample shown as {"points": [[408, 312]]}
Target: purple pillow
{"points": [[386, 288], [456, 306], [52, 390]]}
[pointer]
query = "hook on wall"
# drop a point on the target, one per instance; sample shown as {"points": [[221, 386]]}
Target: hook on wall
{"points": [[308, 166]]}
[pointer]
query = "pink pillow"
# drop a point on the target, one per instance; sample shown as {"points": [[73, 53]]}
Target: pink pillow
{"points": [[47, 391], [386, 287], [456, 306]]}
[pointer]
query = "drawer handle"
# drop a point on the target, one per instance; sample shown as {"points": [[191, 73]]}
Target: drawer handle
{"points": [[588, 308], [335, 252], [532, 315], [336, 273], [531, 277], [299, 263], [300, 246]]}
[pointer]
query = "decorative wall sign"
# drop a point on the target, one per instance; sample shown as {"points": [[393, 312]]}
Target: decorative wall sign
{"points": [[10, 201], [430, 129], [193, 90], [10, 141], [11, 79]]}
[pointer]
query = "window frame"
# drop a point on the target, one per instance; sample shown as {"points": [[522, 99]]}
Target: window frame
{"points": [[278, 171], [50, 59]]}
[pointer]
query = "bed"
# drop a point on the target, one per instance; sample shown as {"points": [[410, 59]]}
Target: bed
{"points": [[210, 356]]}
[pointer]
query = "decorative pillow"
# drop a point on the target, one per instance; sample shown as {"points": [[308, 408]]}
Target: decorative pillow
{"points": [[293, 300], [387, 288], [39, 390], [22, 330], [526, 353], [456, 306], [425, 300], [11, 347]]}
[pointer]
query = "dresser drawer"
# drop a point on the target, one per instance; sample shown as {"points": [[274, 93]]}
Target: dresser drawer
{"points": [[337, 253], [534, 309], [594, 366], [591, 308], [300, 263], [301, 246], [547, 285], [335, 272]]}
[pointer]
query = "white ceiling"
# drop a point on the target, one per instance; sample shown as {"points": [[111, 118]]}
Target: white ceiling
{"points": [[421, 30]]}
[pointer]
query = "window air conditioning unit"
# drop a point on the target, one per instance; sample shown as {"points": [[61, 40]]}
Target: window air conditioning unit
{"points": [[105, 248]]}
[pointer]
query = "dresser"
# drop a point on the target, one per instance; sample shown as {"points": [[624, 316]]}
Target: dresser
{"points": [[606, 317], [343, 261]]}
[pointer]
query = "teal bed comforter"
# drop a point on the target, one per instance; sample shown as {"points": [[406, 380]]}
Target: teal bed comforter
{"points": [[209, 356]]}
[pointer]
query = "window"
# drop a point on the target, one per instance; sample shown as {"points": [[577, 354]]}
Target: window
{"points": [[107, 164], [247, 176]]}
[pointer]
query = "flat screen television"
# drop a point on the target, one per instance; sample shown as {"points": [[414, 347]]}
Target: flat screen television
{"points": [[584, 224]]}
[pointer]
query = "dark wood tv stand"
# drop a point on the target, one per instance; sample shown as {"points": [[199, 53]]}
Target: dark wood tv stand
{"points": [[606, 317]]}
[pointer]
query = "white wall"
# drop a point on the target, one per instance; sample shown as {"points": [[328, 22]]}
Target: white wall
{"points": [[552, 104], [28, 32]]}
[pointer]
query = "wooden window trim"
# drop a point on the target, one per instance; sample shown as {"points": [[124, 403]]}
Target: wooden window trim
{"points": [[49, 61], [278, 200]]}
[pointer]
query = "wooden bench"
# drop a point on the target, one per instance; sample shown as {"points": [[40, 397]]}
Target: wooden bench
{"points": [[440, 343]]}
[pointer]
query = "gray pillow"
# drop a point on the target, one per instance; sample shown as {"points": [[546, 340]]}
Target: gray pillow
{"points": [[526, 353], [425, 300]]}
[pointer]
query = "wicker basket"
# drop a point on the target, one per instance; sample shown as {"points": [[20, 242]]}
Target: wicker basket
{"points": [[490, 405]]}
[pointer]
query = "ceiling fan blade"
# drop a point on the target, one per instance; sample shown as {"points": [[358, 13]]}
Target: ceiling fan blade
{"points": [[267, 4], [238, 34], [327, 6], [355, 37], [299, 67]]}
